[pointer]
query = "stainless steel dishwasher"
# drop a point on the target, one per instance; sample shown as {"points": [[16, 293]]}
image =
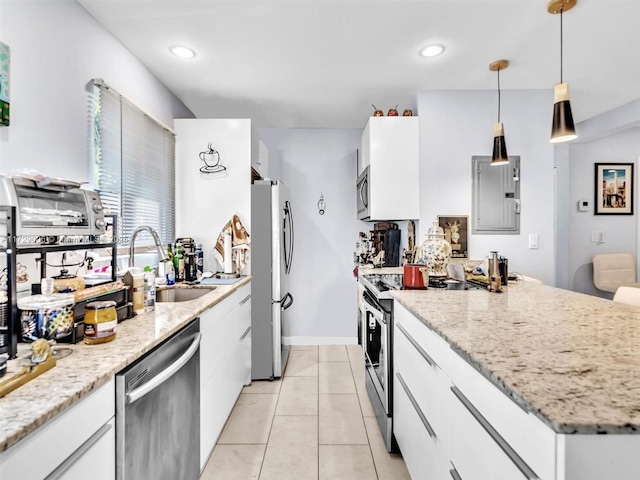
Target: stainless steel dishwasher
{"points": [[158, 411]]}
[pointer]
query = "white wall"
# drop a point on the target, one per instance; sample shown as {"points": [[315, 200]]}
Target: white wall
{"points": [[310, 162], [454, 126], [620, 230], [206, 202], [56, 49]]}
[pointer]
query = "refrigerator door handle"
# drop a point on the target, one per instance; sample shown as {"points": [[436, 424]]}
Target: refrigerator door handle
{"points": [[286, 301]]}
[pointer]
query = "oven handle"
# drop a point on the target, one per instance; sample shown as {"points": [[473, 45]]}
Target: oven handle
{"points": [[371, 308]]}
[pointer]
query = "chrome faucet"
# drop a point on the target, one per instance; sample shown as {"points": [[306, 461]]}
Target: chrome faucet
{"points": [[156, 238]]}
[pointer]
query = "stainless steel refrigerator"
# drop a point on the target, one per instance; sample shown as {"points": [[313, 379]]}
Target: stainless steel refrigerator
{"points": [[272, 242]]}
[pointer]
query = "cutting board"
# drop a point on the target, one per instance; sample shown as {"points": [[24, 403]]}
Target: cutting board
{"points": [[221, 281]]}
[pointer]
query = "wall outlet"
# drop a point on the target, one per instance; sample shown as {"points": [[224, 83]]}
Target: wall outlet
{"points": [[533, 240]]}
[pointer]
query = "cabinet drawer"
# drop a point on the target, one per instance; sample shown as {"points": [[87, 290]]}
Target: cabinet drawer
{"points": [[437, 348], [36, 456], [216, 313], [219, 395], [478, 451], [534, 441], [218, 341], [425, 380], [422, 453]]}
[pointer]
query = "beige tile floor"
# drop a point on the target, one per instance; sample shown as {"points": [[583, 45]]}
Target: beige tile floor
{"points": [[315, 423]]}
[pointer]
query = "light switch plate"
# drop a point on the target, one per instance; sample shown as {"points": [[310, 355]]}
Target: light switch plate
{"points": [[598, 237], [533, 240]]}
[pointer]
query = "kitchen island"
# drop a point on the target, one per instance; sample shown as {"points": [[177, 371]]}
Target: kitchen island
{"points": [[90, 367], [551, 376]]}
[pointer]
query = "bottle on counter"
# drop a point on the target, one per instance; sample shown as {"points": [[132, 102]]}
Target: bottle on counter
{"points": [[149, 289], [169, 268], [191, 268], [178, 263], [137, 276], [199, 258]]}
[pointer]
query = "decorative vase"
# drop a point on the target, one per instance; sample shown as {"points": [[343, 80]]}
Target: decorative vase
{"points": [[436, 252]]}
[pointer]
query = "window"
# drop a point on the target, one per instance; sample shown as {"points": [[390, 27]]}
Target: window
{"points": [[134, 166]]}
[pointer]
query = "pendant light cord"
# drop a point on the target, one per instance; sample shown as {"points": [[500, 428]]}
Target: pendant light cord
{"points": [[498, 95], [561, 36]]}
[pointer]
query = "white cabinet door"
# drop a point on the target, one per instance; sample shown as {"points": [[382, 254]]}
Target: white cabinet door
{"points": [[44, 450], [95, 459], [421, 449], [392, 151], [225, 359]]}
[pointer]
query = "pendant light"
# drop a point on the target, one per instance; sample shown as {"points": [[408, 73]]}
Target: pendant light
{"points": [[499, 156], [562, 128]]}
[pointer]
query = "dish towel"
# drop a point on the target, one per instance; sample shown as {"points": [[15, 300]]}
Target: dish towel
{"points": [[239, 236]]}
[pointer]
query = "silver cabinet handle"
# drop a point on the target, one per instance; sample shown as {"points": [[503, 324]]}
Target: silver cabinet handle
{"points": [[81, 450], [246, 332], [167, 373], [245, 299], [454, 474], [425, 422], [414, 342], [502, 443]]}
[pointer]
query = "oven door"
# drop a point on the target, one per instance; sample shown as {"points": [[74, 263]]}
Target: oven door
{"points": [[376, 347]]}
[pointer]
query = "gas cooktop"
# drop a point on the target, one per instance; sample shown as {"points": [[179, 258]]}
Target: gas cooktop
{"points": [[385, 282]]}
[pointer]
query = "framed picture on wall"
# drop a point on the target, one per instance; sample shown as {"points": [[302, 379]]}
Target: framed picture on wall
{"points": [[456, 230], [4, 84], [614, 189]]}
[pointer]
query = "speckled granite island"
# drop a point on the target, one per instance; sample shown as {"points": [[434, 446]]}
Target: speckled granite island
{"points": [[89, 367], [555, 375]]}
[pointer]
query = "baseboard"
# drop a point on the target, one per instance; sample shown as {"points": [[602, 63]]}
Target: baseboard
{"points": [[320, 340]]}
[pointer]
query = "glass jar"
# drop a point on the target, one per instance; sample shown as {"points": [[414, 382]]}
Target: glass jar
{"points": [[100, 322], [49, 316]]}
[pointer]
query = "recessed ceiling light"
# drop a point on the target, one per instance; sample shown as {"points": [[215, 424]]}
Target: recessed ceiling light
{"points": [[182, 52], [432, 50]]}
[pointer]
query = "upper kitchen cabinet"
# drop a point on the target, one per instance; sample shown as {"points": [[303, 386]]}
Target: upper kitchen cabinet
{"points": [[388, 185]]}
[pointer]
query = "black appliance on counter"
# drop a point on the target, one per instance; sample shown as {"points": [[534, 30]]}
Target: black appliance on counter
{"points": [[377, 343]]}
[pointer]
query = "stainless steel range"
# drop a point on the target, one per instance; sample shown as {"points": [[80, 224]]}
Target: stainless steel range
{"points": [[377, 343]]}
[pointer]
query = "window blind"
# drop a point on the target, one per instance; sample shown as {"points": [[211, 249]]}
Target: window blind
{"points": [[134, 166]]}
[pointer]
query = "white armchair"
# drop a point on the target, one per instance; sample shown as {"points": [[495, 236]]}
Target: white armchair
{"points": [[628, 295], [614, 270]]}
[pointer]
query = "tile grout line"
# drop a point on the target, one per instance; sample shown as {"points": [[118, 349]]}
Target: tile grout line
{"points": [[373, 460], [264, 455]]}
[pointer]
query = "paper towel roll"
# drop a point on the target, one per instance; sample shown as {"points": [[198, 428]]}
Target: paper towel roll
{"points": [[228, 262]]}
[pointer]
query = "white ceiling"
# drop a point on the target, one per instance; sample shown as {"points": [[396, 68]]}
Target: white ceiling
{"points": [[322, 63]]}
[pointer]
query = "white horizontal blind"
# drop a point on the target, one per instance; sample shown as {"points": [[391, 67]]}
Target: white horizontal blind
{"points": [[136, 167]]}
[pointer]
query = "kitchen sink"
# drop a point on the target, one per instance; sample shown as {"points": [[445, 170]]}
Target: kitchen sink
{"points": [[182, 294]]}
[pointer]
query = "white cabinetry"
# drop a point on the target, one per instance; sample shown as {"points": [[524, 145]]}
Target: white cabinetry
{"points": [[225, 364], [450, 421], [77, 444], [390, 148]]}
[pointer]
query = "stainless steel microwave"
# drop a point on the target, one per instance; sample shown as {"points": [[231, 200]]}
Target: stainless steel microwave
{"points": [[362, 190], [46, 209]]}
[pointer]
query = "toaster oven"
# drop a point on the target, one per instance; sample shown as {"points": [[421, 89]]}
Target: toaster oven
{"points": [[46, 209]]}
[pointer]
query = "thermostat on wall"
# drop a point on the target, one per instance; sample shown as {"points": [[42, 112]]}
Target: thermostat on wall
{"points": [[583, 205]]}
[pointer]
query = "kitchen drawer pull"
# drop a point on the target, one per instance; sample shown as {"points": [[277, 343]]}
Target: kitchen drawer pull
{"points": [[454, 474], [245, 299], [502, 443], [246, 332], [413, 341], [81, 450], [425, 422]]}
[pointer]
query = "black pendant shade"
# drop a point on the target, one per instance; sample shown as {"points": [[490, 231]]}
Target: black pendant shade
{"points": [[562, 128], [499, 156]]}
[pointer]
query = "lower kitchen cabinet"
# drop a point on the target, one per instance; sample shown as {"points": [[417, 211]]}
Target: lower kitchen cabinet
{"points": [[451, 422], [76, 445], [225, 364]]}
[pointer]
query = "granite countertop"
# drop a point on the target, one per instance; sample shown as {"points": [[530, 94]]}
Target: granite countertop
{"points": [[573, 360], [90, 366]]}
